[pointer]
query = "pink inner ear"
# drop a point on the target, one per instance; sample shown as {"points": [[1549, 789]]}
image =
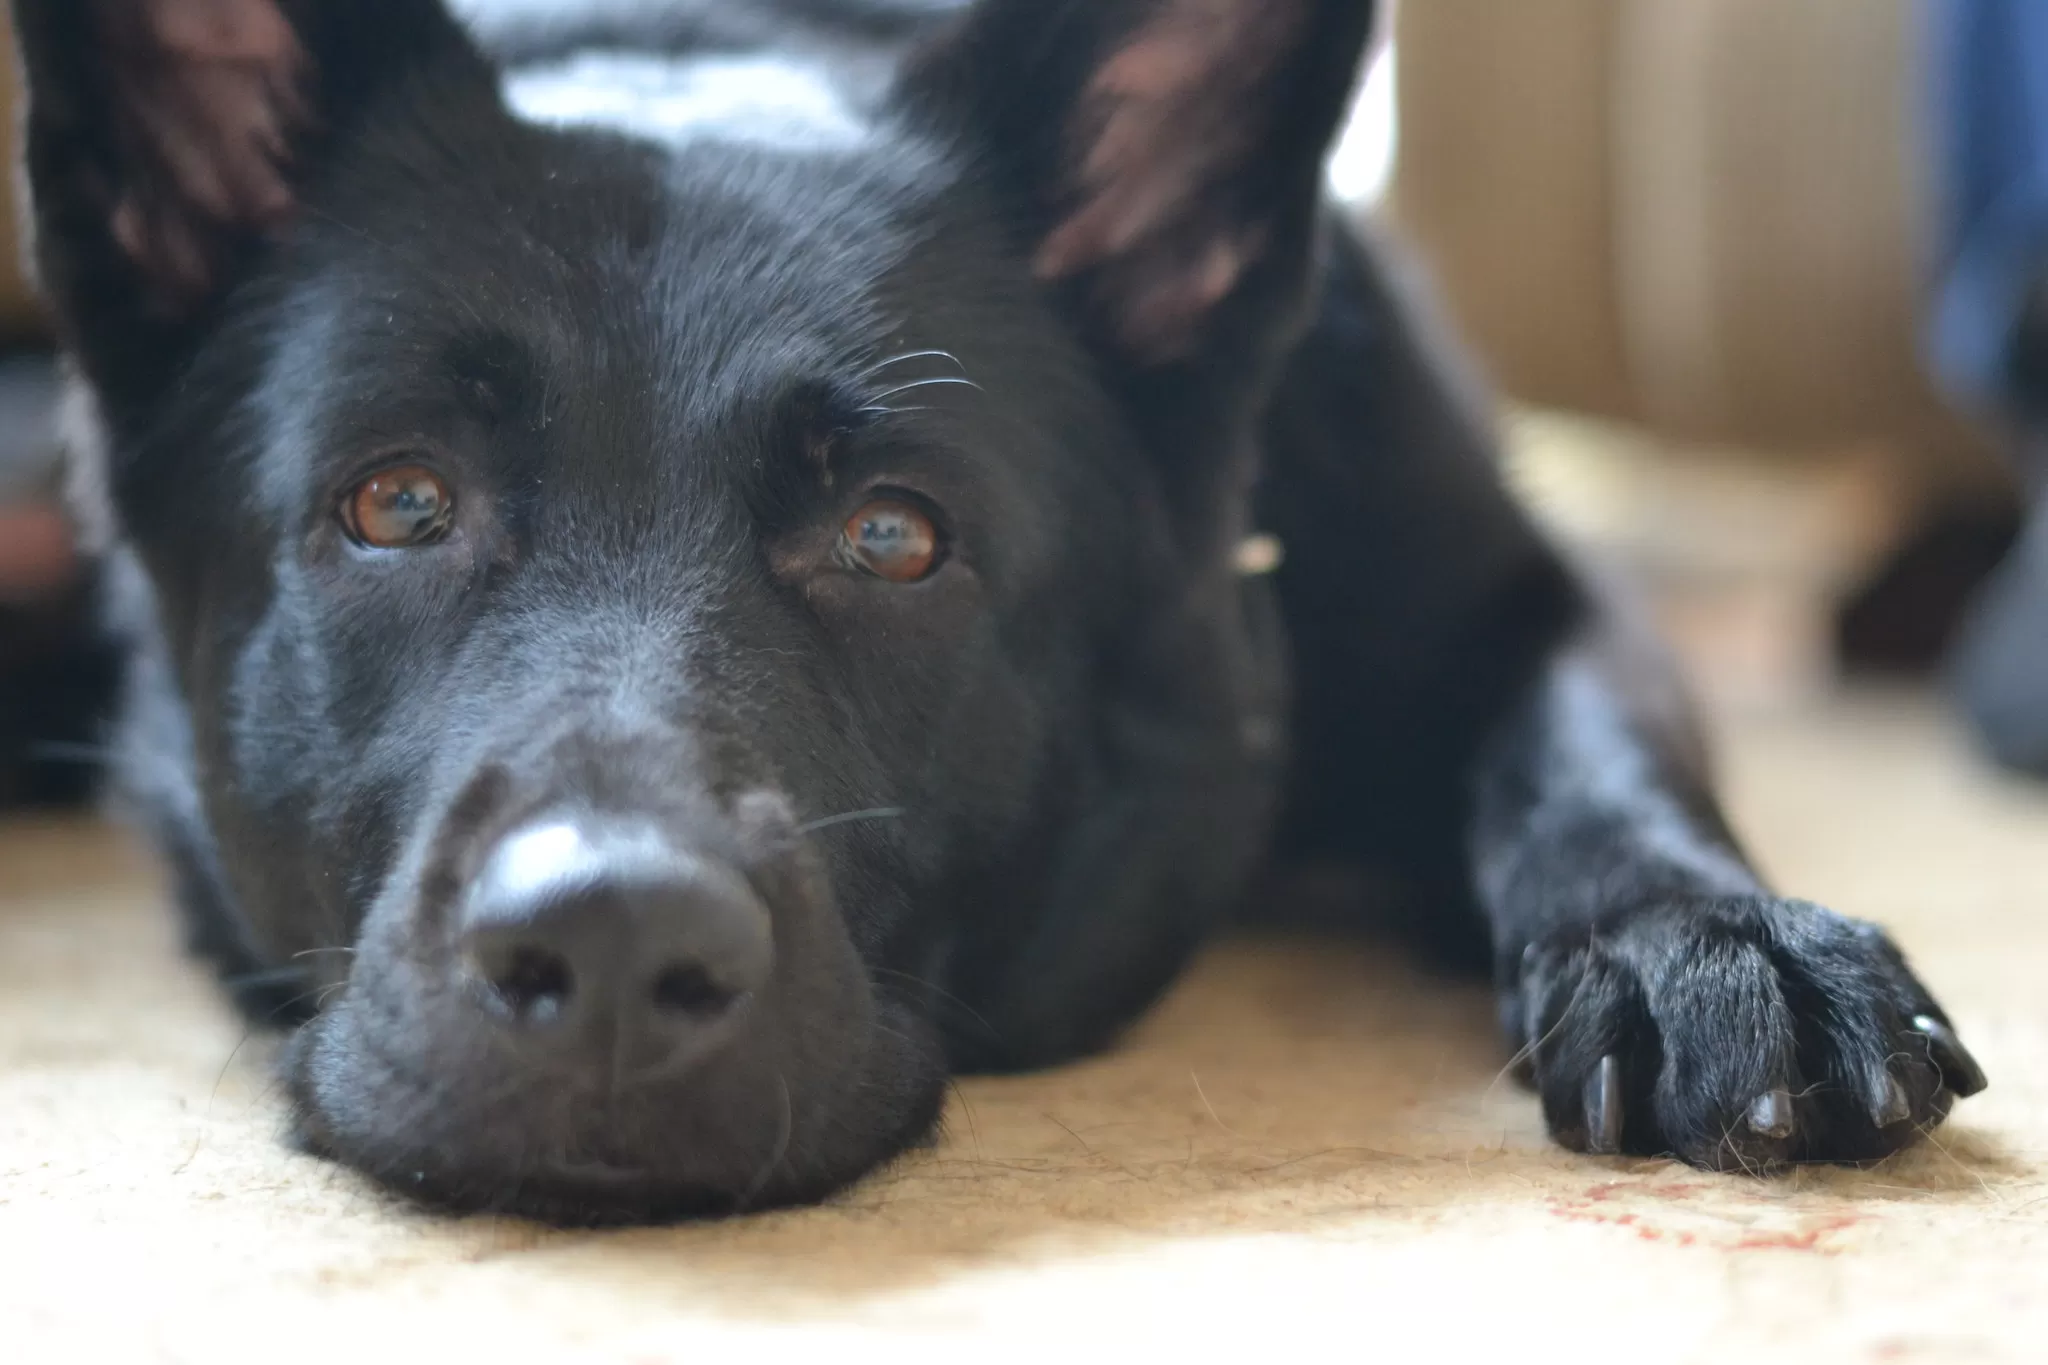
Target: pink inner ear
{"points": [[1170, 118], [208, 95]]}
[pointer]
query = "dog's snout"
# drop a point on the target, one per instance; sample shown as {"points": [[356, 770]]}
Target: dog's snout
{"points": [[608, 941]]}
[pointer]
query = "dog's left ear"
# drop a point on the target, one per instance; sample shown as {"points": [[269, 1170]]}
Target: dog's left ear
{"points": [[1168, 153], [169, 140]]}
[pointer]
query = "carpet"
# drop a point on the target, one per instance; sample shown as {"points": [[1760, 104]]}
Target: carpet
{"points": [[1309, 1149]]}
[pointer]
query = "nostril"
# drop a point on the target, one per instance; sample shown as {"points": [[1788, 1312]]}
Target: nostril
{"points": [[532, 983], [687, 988]]}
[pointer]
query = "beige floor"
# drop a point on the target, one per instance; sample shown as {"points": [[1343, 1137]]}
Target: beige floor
{"points": [[1306, 1151]]}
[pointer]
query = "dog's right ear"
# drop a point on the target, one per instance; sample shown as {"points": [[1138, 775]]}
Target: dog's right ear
{"points": [[1160, 165], [167, 142], [1166, 155]]}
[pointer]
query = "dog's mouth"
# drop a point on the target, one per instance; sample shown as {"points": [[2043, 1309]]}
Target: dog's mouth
{"points": [[587, 1193], [784, 1116]]}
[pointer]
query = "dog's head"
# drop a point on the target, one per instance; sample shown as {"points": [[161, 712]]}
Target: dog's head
{"points": [[684, 587]]}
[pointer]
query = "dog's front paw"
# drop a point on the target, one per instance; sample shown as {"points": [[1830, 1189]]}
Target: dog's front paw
{"points": [[1736, 1034]]}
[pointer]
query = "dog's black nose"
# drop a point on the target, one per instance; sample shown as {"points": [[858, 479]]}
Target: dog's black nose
{"points": [[607, 940]]}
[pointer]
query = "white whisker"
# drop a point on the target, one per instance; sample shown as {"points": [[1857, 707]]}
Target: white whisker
{"points": [[924, 384], [879, 366], [852, 817]]}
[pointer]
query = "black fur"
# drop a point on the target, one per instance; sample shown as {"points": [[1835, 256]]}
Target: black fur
{"points": [[659, 376]]}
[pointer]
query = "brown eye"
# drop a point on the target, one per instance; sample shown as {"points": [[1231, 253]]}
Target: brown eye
{"points": [[892, 540], [397, 508]]}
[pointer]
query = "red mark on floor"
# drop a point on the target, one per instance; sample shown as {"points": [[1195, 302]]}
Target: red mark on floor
{"points": [[1665, 1213]]}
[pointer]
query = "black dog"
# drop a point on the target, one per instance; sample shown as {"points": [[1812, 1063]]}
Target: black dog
{"points": [[686, 564]]}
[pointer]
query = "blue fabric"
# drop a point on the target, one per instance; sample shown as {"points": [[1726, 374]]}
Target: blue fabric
{"points": [[1990, 102]]}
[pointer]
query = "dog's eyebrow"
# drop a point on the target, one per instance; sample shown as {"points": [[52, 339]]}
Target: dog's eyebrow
{"points": [[493, 370], [815, 418], [828, 412]]}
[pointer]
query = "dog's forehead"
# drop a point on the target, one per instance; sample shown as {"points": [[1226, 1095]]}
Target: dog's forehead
{"points": [[659, 251], [714, 203]]}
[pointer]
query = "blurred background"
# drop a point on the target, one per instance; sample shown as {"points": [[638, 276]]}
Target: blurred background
{"points": [[1699, 246]]}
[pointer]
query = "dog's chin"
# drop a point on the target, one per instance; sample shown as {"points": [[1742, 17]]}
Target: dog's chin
{"points": [[595, 1195], [732, 1138]]}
